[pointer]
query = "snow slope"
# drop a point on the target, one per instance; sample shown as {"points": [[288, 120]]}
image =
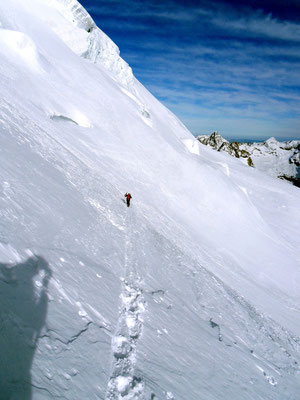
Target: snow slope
{"points": [[192, 293]]}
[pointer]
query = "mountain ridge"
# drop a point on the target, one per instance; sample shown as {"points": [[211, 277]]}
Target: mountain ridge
{"points": [[279, 159]]}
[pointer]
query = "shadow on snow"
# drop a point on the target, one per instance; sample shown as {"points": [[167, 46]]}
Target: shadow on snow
{"points": [[23, 309]]}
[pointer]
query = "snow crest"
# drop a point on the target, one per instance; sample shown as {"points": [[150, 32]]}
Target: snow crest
{"points": [[88, 41]]}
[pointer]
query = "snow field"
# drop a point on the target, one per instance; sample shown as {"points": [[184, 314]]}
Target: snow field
{"points": [[192, 293]]}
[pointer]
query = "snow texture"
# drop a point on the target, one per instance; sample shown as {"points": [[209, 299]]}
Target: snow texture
{"points": [[191, 293]]}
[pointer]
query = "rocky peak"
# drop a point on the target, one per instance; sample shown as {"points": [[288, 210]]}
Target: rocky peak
{"points": [[215, 140]]}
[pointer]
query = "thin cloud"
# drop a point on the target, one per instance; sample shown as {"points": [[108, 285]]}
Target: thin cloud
{"points": [[214, 59], [260, 26]]}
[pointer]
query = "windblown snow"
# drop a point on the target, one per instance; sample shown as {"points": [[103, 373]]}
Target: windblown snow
{"points": [[192, 293]]}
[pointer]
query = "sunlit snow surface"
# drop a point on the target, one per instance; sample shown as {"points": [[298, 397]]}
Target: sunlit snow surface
{"points": [[192, 293]]}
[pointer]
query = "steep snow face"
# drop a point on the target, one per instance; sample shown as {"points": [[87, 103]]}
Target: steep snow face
{"points": [[191, 293], [87, 40], [75, 27], [273, 157]]}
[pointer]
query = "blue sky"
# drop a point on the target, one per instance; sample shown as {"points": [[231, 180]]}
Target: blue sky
{"points": [[231, 66]]}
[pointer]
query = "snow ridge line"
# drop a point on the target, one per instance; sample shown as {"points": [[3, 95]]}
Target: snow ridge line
{"points": [[123, 383]]}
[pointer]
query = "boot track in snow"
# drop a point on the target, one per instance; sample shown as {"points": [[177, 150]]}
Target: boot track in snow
{"points": [[123, 383]]}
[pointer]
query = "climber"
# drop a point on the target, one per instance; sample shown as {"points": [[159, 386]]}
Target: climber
{"points": [[128, 197]]}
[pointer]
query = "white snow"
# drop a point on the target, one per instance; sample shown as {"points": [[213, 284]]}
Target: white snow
{"points": [[192, 293], [192, 145], [21, 47]]}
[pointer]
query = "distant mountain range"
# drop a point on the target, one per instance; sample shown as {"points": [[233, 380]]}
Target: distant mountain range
{"points": [[279, 159]]}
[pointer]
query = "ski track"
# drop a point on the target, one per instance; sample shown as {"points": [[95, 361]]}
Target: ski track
{"points": [[123, 382]]}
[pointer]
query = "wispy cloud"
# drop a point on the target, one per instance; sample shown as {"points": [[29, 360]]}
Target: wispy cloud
{"points": [[260, 26], [230, 63]]}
